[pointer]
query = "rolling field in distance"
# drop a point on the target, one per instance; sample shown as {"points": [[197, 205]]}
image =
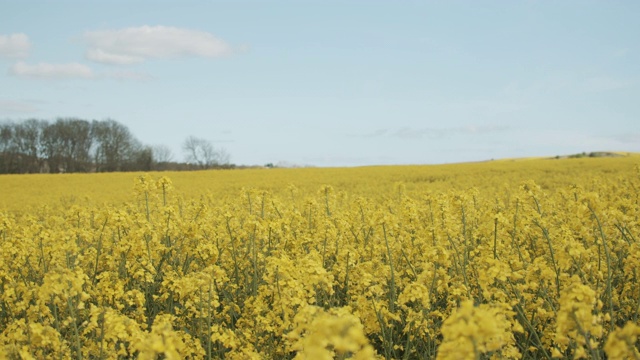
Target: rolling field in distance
{"points": [[34, 190]]}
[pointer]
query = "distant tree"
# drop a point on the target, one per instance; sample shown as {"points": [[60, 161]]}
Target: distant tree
{"points": [[76, 145], [203, 154], [24, 146], [20, 146], [141, 159], [67, 145], [79, 152], [115, 146], [6, 156]]}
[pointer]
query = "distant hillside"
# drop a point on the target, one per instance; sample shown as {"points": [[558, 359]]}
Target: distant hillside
{"points": [[593, 154], [596, 154]]}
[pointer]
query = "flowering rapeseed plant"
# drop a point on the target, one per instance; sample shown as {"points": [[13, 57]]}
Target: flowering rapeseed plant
{"points": [[495, 260]]}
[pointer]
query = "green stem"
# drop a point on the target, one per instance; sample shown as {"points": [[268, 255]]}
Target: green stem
{"points": [[98, 252], [495, 239], [102, 320], [392, 284], [75, 328], [594, 354], [608, 257], [545, 233]]}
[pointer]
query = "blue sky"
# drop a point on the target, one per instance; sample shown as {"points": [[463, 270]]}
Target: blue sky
{"points": [[334, 83]]}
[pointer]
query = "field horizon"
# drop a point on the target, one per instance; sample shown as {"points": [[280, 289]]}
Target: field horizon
{"points": [[35, 190]]}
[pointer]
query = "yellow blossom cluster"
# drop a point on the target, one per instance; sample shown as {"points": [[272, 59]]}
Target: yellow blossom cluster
{"points": [[537, 259]]}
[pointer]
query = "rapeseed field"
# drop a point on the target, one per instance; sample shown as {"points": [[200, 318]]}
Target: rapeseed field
{"points": [[533, 259]]}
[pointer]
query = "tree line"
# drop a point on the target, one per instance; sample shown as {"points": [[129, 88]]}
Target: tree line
{"points": [[76, 145]]}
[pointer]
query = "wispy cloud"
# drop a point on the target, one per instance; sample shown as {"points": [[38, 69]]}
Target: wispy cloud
{"points": [[14, 46], [631, 138], [566, 142], [138, 44], [620, 53], [375, 133], [419, 133], [493, 108], [17, 107], [74, 71], [52, 71], [340, 160], [129, 76], [433, 133], [605, 83]]}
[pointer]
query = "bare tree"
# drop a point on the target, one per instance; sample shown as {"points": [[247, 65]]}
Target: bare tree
{"points": [[162, 154], [202, 153], [223, 157], [162, 157]]}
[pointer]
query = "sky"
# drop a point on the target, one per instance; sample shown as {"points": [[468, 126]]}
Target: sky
{"points": [[334, 83]]}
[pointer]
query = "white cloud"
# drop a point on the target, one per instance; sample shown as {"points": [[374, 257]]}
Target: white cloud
{"points": [[52, 71], [14, 45], [17, 107], [101, 56], [137, 44]]}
